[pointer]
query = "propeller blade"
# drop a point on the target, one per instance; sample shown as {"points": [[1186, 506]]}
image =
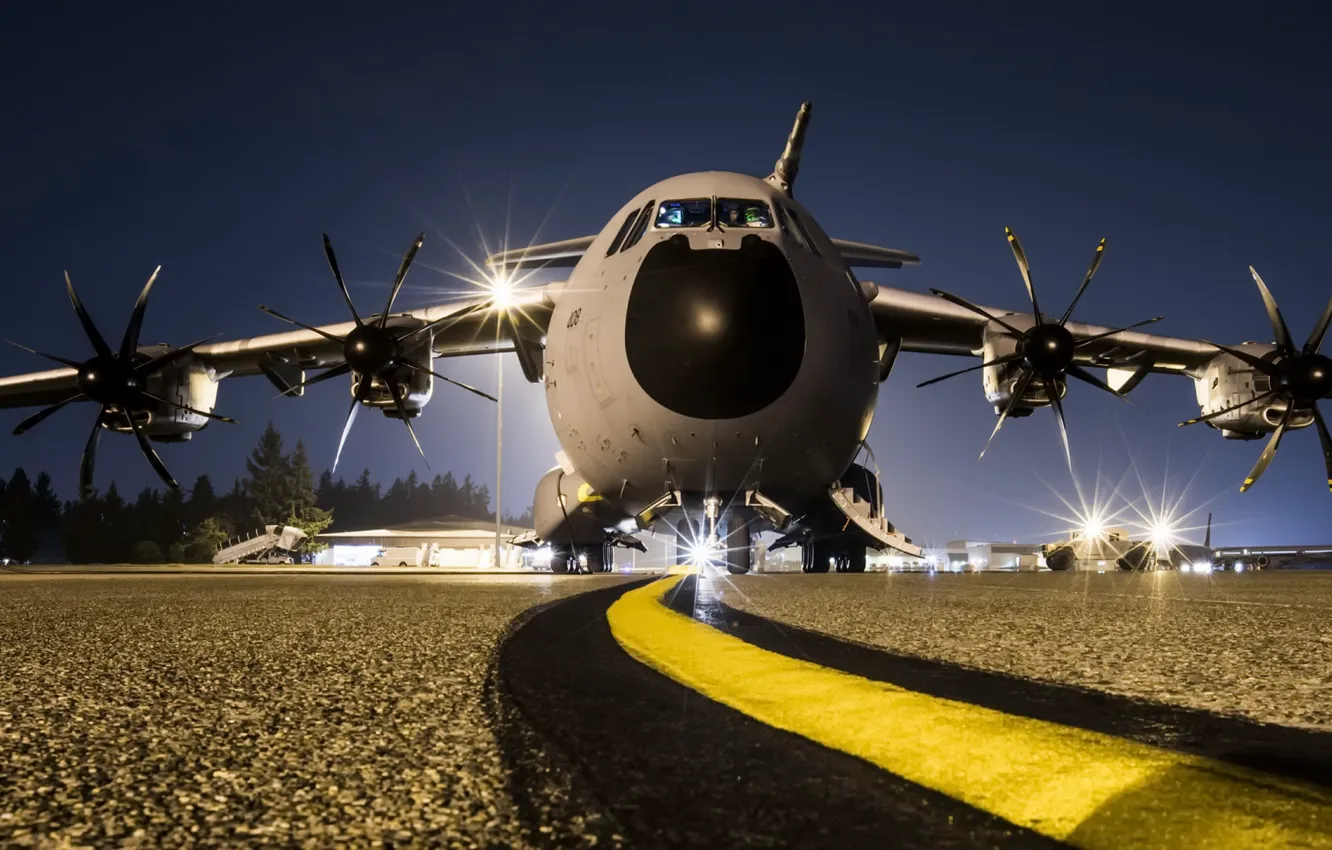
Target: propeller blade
{"points": [[342, 284], [410, 365], [1025, 268], [1315, 341], [1326, 440], [962, 302], [325, 334], [394, 386], [1226, 410], [130, 343], [1095, 264], [995, 362], [150, 453], [163, 360], [61, 360], [1268, 453], [1018, 389], [1088, 339], [1058, 406], [41, 415], [161, 400], [1279, 330], [340, 369], [402, 275], [1076, 371], [89, 458], [1256, 362], [346, 428], [98, 343]]}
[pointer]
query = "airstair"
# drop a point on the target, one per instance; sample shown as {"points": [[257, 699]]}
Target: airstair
{"points": [[253, 548], [862, 513]]}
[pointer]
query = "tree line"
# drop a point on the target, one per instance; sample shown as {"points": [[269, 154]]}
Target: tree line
{"points": [[180, 526]]}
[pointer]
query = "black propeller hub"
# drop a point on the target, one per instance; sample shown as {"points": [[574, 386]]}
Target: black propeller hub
{"points": [[1307, 377], [370, 349], [1048, 349], [108, 381]]}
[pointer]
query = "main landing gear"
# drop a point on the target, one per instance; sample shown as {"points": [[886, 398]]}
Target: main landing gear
{"points": [[819, 556], [595, 558]]}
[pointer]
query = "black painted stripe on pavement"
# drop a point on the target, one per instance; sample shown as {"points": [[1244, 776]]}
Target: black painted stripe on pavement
{"points": [[593, 737]]}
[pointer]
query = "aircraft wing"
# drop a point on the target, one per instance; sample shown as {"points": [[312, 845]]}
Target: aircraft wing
{"points": [[928, 323], [468, 327]]}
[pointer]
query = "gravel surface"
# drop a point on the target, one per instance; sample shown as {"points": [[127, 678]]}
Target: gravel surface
{"points": [[160, 711], [1256, 644]]}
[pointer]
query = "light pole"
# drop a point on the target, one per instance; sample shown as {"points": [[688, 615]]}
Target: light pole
{"points": [[499, 454]]}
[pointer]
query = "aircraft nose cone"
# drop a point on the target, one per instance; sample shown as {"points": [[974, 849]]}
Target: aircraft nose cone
{"points": [[715, 334]]}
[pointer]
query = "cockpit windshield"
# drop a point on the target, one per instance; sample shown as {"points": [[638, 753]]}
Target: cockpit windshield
{"points": [[692, 213], [732, 212], [697, 212]]}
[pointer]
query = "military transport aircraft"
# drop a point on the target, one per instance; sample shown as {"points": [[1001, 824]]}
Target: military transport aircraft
{"points": [[711, 362]]}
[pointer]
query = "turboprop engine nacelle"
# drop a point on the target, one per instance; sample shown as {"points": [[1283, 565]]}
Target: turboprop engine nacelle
{"points": [[186, 381], [997, 381], [1228, 381], [417, 385]]}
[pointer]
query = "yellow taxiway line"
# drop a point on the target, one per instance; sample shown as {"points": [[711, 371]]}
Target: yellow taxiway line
{"points": [[1081, 787]]}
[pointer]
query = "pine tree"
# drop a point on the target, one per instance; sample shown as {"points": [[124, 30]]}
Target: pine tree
{"points": [[203, 502], [170, 527], [300, 481], [45, 503], [115, 543], [268, 485], [19, 538], [204, 540]]}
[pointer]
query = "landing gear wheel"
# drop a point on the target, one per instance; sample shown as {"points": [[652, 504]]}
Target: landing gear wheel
{"points": [[1134, 560], [855, 560], [559, 560], [814, 558], [1061, 559], [738, 552]]}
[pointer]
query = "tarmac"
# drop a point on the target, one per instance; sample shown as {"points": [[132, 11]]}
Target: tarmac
{"points": [[512, 711]]}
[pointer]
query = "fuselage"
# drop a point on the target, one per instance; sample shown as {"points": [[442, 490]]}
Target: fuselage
{"points": [[711, 340]]}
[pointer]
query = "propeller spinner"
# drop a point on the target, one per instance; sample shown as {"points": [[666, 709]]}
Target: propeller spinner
{"points": [[373, 349], [1300, 377], [1046, 350], [116, 380]]}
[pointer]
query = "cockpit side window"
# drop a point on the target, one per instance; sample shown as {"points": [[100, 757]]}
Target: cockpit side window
{"points": [[624, 229], [788, 227], [694, 212], [738, 212], [640, 226], [802, 235]]}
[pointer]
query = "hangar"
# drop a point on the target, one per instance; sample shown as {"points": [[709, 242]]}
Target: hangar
{"points": [[457, 542]]}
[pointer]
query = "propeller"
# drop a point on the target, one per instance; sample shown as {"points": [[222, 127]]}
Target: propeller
{"points": [[1300, 377], [1045, 351], [116, 380], [373, 349]]}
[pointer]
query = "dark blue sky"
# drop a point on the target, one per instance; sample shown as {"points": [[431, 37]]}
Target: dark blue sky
{"points": [[220, 144]]}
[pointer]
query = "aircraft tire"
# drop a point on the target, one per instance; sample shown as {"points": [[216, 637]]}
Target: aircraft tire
{"points": [[1061, 559]]}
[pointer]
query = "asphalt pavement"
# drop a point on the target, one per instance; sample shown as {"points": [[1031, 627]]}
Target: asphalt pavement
{"points": [[496, 711], [1256, 644], [167, 710]]}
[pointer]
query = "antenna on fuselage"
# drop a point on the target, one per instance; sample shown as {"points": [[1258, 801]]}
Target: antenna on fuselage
{"points": [[784, 172]]}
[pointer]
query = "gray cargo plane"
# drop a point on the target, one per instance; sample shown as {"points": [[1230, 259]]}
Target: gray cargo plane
{"points": [[711, 366]]}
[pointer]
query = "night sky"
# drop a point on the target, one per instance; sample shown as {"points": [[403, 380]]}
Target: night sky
{"points": [[221, 144]]}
